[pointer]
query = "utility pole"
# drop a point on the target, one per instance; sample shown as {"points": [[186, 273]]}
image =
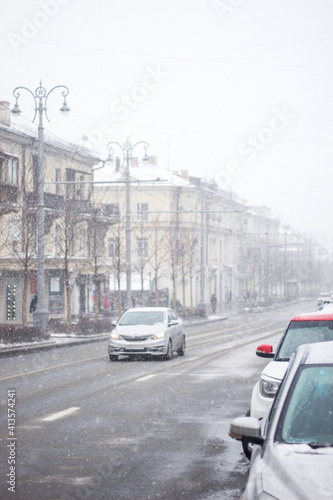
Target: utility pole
{"points": [[127, 150], [202, 305]]}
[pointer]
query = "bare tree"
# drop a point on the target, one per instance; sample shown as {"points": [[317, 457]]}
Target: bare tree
{"points": [[160, 255], [116, 253], [18, 232]]}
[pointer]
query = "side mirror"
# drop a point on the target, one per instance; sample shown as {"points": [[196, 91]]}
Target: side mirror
{"points": [[246, 427], [113, 323], [173, 322], [265, 351]]}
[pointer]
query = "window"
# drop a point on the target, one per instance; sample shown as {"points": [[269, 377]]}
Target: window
{"points": [[112, 210], [142, 247], [58, 239], [58, 179], [55, 284], [80, 191], [82, 241], [35, 171], [142, 211], [307, 414], [212, 247], [9, 170], [113, 248], [16, 231], [70, 178], [56, 292]]}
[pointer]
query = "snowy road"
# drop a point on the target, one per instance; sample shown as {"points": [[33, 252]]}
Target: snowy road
{"points": [[88, 428]]}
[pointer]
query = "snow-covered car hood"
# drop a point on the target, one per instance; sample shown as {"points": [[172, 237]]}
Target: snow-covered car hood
{"points": [[138, 330], [295, 472], [275, 369]]}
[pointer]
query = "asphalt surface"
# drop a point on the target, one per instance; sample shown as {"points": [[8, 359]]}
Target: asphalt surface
{"points": [[88, 428]]}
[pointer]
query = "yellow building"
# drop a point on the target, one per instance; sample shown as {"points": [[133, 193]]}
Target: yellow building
{"points": [[70, 223], [186, 237]]}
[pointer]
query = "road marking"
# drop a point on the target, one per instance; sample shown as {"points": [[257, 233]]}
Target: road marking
{"points": [[52, 367], [193, 359], [146, 377], [60, 414], [216, 332]]}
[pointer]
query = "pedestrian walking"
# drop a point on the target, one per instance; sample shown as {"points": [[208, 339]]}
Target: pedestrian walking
{"points": [[213, 301]]}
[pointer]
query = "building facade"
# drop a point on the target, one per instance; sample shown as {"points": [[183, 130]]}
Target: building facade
{"points": [[72, 224]]}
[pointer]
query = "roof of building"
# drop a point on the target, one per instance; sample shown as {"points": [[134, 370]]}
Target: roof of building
{"points": [[16, 124], [145, 172]]}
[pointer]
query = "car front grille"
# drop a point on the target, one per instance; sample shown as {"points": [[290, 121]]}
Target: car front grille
{"points": [[134, 339]]}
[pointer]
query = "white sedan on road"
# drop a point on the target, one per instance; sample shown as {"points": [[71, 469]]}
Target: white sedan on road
{"points": [[147, 331]]}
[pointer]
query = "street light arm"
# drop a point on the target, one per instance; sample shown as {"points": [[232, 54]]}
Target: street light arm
{"points": [[65, 92], [16, 110], [109, 147], [146, 146], [40, 94], [127, 149]]}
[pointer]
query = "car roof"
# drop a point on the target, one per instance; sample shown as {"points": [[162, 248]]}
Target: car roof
{"points": [[148, 309], [320, 315], [316, 354]]}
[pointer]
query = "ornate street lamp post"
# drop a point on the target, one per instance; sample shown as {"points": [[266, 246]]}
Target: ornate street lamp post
{"points": [[127, 150], [40, 97]]}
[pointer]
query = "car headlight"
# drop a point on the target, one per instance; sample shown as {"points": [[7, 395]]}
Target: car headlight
{"points": [[114, 335], [268, 386], [159, 335]]}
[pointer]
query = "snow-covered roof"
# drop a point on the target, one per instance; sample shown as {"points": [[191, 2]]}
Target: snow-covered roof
{"points": [[146, 172], [20, 125]]}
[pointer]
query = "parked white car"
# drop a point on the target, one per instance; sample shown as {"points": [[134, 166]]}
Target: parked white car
{"points": [[302, 329], [147, 331], [292, 454]]}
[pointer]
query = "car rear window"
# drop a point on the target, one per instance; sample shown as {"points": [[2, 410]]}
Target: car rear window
{"points": [[304, 332]]}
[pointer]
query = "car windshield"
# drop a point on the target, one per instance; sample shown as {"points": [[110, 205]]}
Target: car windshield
{"points": [[142, 318], [304, 332], [308, 417]]}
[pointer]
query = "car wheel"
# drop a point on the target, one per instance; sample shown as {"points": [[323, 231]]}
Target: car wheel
{"points": [[113, 357], [181, 350], [168, 355], [245, 441]]}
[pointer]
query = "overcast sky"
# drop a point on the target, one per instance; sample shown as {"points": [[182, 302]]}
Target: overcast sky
{"points": [[238, 90]]}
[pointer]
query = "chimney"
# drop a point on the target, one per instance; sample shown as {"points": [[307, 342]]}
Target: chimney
{"points": [[153, 160], [184, 174], [4, 113]]}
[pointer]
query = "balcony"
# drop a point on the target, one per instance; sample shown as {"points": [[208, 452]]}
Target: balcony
{"points": [[80, 206], [8, 193]]}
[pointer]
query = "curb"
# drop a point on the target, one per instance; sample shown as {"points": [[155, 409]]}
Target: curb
{"points": [[48, 345]]}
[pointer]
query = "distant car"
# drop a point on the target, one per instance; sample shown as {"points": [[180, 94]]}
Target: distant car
{"points": [[302, 329], [147, 331], [324, 298], [293, 446]]}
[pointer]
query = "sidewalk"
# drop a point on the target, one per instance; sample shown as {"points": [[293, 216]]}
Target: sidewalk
{"points": [[58, 340]]}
